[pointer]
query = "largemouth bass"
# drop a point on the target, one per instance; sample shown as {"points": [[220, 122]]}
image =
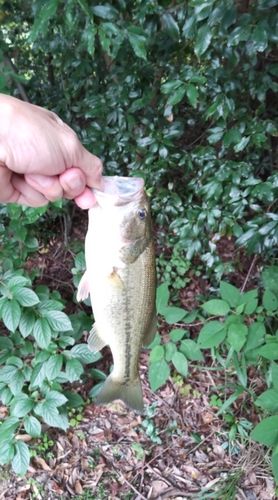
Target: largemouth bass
{"points": [[120, 278]]}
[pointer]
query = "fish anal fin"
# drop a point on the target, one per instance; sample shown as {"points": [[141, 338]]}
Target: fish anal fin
{"points": [[151, 332], [95, 341], [83, 290], [130, 392]]}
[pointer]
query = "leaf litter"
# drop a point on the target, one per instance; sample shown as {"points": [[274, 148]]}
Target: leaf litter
{"points": [[177, 449]]}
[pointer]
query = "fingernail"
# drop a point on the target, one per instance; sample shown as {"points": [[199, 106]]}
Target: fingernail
{"points": [[75, 182], [43, 180]]}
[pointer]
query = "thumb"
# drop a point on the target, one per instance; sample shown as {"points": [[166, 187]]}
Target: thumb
{"points": [[91, 165]]}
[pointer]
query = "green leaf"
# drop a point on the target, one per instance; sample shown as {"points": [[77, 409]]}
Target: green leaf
{"points": [[21, 460], [274, 462], [48, 411], [269, 351], [53, 366], [26, 297], [138, 43], [191, 350], [260, 38], [11, 315], [256, 335], [241, 145], [180, 363], [59, 321], [192, 94], [233, 136], [158, 374], [55, 398], [8, 427], [17, 382], [177, 96], [162, 297], [74, 369], [17, 281], [169, 348], [170, 26], [38, 376], [270, 301], [229, 293], [216, 307], [274, 374], [212, 334], [270, 278], [171, 86], [177, 334], [42, 332], [268, 400], [237, 334], [6, 343], [230, 400], [203, 39], [105, 11], [32, 426], [73, 399], [7, 451], [156, 353], [83, 354], [266, 431], [7, 373], [21, 405], [40, 26], [26, 323], [173, 314]]}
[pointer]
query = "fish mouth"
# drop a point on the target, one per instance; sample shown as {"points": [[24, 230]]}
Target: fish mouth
{"points": [[120, 190]]}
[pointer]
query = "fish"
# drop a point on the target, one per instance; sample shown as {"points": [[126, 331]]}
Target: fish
{"points": [[120, 278]]}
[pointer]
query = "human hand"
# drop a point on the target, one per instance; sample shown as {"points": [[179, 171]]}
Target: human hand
{"points": [[41, 158]]}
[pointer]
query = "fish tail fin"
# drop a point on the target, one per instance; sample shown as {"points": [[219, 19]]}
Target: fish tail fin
{"points": [[130, 392]]}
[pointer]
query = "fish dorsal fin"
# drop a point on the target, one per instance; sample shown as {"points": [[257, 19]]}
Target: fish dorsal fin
{"points": [[95, 341], [151, 332], [83, 290]]}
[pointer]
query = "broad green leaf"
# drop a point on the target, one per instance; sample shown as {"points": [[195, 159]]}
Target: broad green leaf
{"points": [[274, 462], [40, 26], [50, 305], [56, 398], [11, 314], [6, 395], [138, 43], [270, 301], [237, 334], [42, 332], [269, 351], [8, 427], [260, 38], [174, 314], [7, 451], [32, 426], [216, 307], [162, 297], [191, 350], [21, 458], [203, 39], [74, 369], [17, 281], [26, 323], [233, 136], [270, 278], [177, 334], [230, 400], [73, 399], [229, 293], [212, 334], [241, 145], [83, 354], [171, 86], [48, 411], [58, 320], [156, 353], [38, 376], [268, 400], [192, 94], [15, 361], [21, 405], [169, 348], [6, 343], [17, 382], [7, 373], [158, 374], [274, 374], [256, 335], [26, 297], [180, 363], [105, 11], [53, 366], [266, 431], [176, 96], [170, 26]]}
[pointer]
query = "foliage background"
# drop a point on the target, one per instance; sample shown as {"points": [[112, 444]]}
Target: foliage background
{"points": [[182, 93]]}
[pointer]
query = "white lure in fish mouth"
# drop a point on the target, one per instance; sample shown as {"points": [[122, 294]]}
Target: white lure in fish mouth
{"points": [[121, 189]]}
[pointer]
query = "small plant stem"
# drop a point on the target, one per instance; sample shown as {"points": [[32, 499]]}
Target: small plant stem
{"points": [[248, 274]]}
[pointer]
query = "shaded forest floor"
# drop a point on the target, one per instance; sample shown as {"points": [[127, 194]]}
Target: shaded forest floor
{"points": [[178, 449]]}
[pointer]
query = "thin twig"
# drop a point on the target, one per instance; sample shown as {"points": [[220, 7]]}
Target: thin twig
{"points": [[248, 274], [132, 487]]}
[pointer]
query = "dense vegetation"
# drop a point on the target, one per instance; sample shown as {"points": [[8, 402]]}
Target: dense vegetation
{"points": [[185, 95]]}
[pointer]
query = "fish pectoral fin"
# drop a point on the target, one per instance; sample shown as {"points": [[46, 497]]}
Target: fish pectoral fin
{"points": [[129, 391], [95, 341], [151, 332], [83, 290], [116, 281]]}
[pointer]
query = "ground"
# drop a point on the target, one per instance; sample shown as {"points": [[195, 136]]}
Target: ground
{"points": [[179, 448]]}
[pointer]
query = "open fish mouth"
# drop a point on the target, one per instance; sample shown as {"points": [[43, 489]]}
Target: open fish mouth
{"points": [[120, 190]]}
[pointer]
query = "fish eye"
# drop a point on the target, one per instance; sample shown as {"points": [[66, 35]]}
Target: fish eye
{"points": [[142, 213]]}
